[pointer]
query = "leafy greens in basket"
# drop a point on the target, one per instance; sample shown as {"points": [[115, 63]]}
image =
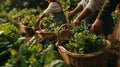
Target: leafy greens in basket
{"points": [[86, 42]]}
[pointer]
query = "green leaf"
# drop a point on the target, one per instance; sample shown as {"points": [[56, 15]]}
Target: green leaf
{"points": [[56, 63]]}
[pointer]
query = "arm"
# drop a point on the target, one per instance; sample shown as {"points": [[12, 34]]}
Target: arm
{"points": [[47, 11], [78, 9], [90, 7], [40, 18], [108, 8], [83, 14], [72, 13]]}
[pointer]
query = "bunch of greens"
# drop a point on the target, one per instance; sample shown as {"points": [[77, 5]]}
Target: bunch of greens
{"points": [[49, 25], [77, 29], [86, 42], [9, 38], [33, 54], [26, 16]]}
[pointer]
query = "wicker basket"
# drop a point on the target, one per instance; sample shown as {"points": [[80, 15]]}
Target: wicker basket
{"points": [[96, 59], [114, 56], [44, 35], [64, 35], [25, 30]]}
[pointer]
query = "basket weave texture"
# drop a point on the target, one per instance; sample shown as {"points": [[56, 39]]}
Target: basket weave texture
{"points": [[44, 35], [96, 59], [26, 30]]}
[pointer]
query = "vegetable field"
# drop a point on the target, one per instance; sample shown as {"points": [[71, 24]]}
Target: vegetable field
{"points": [[19, 48]]}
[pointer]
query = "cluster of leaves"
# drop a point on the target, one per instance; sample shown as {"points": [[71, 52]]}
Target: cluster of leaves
{"points": [[14, 51], [69, 4], [4, 18], [49, 25], [33, 55], [86, 42], [115, 17], [7, 5], [80, 28], [9, 36], [26, 16]]}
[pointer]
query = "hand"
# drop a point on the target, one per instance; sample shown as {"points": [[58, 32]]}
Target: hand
{"points": [[76, 22], [97, 27], [38, 20], [70, 15]]}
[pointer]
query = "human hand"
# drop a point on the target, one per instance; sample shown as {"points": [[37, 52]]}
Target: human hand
{"points": [[70, 15], [76, 22], [97, 27], [38, 20]]}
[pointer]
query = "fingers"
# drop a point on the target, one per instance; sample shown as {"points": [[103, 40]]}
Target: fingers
{"points": [[96, 30], [72, 24], [70, 15]]}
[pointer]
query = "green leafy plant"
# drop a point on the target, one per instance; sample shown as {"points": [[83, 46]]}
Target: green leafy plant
{"points": [[9, 38], [86, 42], [34, 54]]}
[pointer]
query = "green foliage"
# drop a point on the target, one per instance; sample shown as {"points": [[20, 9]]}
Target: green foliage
{"points": [[69, 4], [48, 55], [15, 52], [33, 57], [115, 17], [9, 38], [8, 5], [10, 31], [56, 63], [3, 17], [49, 25], [77, 29], [65, 4], [20, 53], [26, 16], [86, 42]]}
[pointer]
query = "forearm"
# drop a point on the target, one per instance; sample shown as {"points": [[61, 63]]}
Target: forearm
{"points": [[79, 8], [41, 17], [84, 14]]}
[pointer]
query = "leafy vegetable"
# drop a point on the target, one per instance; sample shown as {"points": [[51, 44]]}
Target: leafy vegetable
{"points": [[86, 42]]}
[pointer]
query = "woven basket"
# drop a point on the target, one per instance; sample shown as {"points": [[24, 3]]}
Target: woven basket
{"points": [[96, 59], [64, 35], [44, 35], [25, 30], [114, 56]]}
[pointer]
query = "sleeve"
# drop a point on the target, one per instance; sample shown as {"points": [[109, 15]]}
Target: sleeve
{"points": [[52, 8], [94, 5], [48, 10], [81, 2], [107, 9]]}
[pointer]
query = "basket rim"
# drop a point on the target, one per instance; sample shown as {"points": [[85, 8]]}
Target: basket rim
{"points": [[38, 31], [23, 24], [85, 55]]}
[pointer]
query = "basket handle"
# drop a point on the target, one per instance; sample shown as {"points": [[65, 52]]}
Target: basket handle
{"points": [[67, 27]]}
